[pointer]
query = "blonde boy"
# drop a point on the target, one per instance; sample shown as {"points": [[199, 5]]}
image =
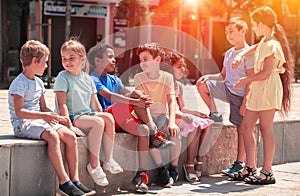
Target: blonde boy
{"points": [[31, 118]]}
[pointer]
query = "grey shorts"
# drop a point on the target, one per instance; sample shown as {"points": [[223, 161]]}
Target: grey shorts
{"points": [[218, 90], [162, 123], [32, 129]]}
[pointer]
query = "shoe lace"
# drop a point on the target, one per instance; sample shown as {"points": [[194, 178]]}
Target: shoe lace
{"points": [[160, 136], [145, 178]]}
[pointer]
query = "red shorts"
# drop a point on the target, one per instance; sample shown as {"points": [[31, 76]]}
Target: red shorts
{"points": [[124, 119]]}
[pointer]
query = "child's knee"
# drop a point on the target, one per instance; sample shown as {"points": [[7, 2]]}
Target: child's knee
{"points": [[142, 130]]}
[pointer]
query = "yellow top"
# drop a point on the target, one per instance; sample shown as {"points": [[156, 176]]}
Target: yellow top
{"points": [[158, 89], [267, 94]]}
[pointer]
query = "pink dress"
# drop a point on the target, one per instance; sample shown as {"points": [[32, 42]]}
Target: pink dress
{"points": [[198, 122]]}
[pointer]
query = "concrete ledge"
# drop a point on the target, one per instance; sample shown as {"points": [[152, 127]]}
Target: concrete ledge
{"points": [[26, 170]]}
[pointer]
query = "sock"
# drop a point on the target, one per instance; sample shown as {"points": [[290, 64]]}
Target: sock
{"points": [[77, 182], [160, 165], [66, 184]]}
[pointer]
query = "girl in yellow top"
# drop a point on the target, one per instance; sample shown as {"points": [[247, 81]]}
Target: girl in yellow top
{"points": [[270, 91]]}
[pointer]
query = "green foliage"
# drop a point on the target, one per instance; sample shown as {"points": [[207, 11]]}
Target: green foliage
{"points": [[133, 10]]}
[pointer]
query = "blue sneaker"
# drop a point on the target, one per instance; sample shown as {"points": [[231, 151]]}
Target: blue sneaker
{"points": [[216, 116], [173, 171], [235, 167], [164, 177]]}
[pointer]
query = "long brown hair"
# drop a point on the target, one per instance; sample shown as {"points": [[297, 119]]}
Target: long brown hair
{"points": [[268, 17]]}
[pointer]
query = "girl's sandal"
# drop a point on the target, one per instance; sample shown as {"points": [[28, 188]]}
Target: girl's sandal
{"points": [[257, 180], [198, 173], [239, 176], [190, 177]]}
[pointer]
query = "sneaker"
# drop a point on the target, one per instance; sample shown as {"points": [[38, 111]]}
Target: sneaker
{"points": [[86, 190], [98, 175], [173, 171], [158, 141], [140, 181], [216, 116], [113, 167], [235, 167], [164, 177], [71, 190]]}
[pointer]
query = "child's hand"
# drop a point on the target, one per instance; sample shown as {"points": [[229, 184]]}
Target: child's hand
{"points": [[242, 82], [203, 79], [201, 115], [77, 131], [64, 121], [187, 118], [145, 101], [236, 61], [173, 129], [51, 118]]}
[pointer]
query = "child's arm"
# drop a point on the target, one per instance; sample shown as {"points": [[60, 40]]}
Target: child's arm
{"points": [[249, 51], [50, 117], [262, 75], [173, 128], [95, 105], [61, 98], [121, 98]]}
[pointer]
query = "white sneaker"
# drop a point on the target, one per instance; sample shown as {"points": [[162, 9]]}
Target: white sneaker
{"points": [[113, 167], [98, 175]]}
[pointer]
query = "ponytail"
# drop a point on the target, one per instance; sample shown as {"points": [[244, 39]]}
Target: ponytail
{"points": [[288, 75]]}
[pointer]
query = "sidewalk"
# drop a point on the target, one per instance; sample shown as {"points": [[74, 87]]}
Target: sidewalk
{"points": [[287, 177]]}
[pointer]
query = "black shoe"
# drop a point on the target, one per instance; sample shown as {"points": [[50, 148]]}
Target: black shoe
{"points": [[140, 181], [173, 171], [158, 141], [72, 190], [86, 190], [164, 177]]}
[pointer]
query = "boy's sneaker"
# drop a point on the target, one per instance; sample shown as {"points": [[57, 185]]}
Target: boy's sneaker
{"points": [[216, 116], [164, 177], [113, 167], [98, 175], [86, 190], [235, 167], [140, 181], [71, 190], [158, 141], [173, 171]]}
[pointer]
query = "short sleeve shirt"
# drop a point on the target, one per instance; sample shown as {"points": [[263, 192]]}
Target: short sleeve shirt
{"points": [[111, 82], [158, 89], [232, 76], [30, 90], [79, 90]]}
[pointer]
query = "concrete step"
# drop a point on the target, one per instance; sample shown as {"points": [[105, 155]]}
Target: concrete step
{"points": [[26, 170]]}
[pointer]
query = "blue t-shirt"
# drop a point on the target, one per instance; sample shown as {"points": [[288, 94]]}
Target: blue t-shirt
{"points": [[111, 82], [30, 90], [232, 76]]}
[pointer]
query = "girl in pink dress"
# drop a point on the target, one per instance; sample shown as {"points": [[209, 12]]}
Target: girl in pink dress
{"points": [[192, 124]]}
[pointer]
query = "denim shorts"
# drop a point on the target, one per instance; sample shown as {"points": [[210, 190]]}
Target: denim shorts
{"points": [[162, 123]]}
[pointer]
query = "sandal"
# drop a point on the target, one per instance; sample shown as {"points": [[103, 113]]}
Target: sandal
{"points": [[198, 173], [239, 176], [257, 180], [190, 177]]}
